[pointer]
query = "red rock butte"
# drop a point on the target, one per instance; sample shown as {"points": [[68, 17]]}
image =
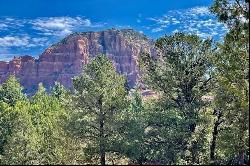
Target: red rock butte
{"points": [[65, 59]]}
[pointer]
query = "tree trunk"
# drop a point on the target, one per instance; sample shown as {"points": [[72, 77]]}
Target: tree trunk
{"points": [[101, 132], [192, 127], [215, 134], [102, 143], [241, 147], [241, 158], [213, 144]]}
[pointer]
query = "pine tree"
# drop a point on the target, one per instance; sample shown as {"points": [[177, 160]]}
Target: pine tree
{"points": [[99, 97]]}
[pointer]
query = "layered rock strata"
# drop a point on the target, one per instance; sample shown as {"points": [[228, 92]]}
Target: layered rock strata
{"points": [[64, 60]]}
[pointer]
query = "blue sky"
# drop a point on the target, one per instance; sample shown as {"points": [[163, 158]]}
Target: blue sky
{"points": [[27, 27]]}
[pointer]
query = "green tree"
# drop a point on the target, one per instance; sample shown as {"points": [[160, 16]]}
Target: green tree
{"points": [[232, 76], [59, 91], [99, 97], [180, 72], [38, 135], [11, 91], [10, 94], [6, 126], [22, 144], [132, 138], [49, 118]]}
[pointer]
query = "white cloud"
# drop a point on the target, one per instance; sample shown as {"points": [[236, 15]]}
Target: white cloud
{"points": [[197, 20], [163, 21], [12, 41], [47, 26], [59, 26], [38, 40], [3, 26], [202, 10], [214, 33], [9, 23], [60, 23], [157, 29], [22, 41], [42, 41], [175, 21], [27, 33]]}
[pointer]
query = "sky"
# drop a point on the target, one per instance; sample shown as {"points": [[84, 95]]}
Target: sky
{"points": [[28, 27]]}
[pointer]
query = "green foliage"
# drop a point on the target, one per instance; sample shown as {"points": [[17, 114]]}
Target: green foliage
{"points": [[10, 94], [11, 91], [99, 97], [181, 72], [22, 143], [180, 69], [131, 140], [136, 103], [232, 76], [101, 121], [33, 132], [6, 119], [234, 13], [59, 91]]}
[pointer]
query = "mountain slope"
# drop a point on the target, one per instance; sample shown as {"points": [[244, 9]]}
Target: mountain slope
{"points": [[65, 59]]}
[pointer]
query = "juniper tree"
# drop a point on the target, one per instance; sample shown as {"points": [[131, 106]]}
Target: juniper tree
{"points": [[231, 63], [180, 72]]}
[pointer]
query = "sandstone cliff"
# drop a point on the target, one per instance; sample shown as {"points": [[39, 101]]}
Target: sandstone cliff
{"points": [[64, 60]]}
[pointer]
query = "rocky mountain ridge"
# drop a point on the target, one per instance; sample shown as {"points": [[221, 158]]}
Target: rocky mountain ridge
{"points": [[65, 59]]}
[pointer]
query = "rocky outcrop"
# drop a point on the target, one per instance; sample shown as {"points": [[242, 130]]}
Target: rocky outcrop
{"points": [[64, 60]]}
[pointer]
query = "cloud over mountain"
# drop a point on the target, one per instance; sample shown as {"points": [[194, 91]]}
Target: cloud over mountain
{"points": [[196, 20], [20, 35]]}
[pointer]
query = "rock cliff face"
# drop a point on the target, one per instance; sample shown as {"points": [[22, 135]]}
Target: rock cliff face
{"points": [[64, 60]]}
